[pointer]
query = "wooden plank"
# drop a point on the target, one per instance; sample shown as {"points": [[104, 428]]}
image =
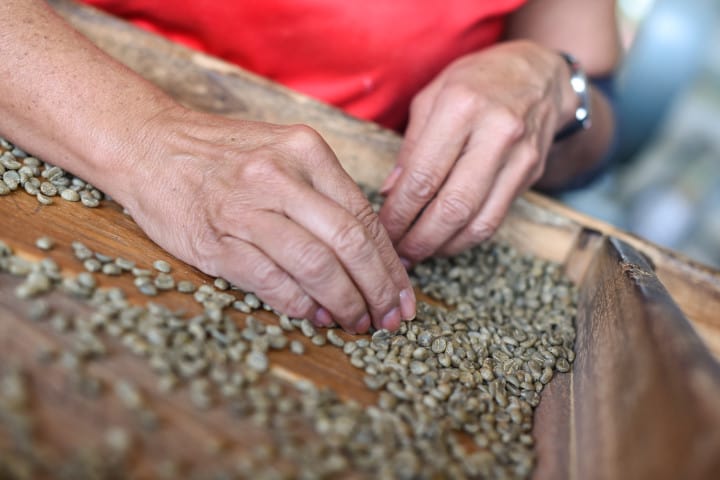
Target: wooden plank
{"points": [[186, 431], [644, 390], [108, 231], [554, 416], [619, 288]]}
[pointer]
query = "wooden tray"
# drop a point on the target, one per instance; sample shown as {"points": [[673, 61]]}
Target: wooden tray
{"points": [[642, 401]]}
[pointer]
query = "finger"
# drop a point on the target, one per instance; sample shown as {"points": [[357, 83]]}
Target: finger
{"points": [[328, 178], [438, 146], [459, 199], [420, 109], [314, 267], [397, 270], [342, 189], [250, 269], [354, 246], [511, 181], [333, 202]]}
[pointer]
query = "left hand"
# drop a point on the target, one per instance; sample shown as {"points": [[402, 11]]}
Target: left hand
{"points": [[478, 136]]}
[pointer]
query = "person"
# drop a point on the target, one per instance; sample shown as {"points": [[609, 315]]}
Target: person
{"points": [[478, 85]]}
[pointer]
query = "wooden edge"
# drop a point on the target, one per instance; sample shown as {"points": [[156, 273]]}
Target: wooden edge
{"points": [[693, 285], [644, 390], [543, 227], [553, 417], [551, 430]]}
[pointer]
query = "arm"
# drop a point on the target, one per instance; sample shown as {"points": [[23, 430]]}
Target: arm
{"points": [[92, 108], [482, 132], [198, 184]]}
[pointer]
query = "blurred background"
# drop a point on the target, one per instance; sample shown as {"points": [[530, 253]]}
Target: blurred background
{"points": [[664, 183]]}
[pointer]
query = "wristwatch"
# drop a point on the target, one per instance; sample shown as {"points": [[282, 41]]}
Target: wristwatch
{"points": [[581, 86]]}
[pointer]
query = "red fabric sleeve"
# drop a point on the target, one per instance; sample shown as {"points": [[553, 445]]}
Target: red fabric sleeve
{"points": [[369, 58]]}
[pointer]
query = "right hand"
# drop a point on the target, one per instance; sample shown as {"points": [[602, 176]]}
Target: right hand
{"points": [[270, 209]]}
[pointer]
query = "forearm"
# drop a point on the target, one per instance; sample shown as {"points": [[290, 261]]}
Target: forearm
{"points": [[67, 101]]}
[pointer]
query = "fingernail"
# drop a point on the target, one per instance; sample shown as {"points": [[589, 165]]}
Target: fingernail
{"points": [[406, 263], [391, 320], [390, 180], [408, 304], [323, 318], [363, 324]]}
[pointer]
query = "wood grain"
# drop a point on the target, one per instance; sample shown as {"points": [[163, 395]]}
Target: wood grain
{"points": [[646, 391], [642, 399], [186, 431]]}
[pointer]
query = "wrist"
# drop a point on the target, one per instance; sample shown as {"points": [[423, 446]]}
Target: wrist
{"points": [[575, 110], [121, 158]]}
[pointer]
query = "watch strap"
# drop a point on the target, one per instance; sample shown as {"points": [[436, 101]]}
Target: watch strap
{"points": [[581, 86]]}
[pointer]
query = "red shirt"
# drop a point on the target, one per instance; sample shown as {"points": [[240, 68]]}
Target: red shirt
{"points": [[367, 57]]}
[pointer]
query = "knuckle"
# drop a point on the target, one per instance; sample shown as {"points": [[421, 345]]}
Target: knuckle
{"points": [[509, 123], [530, 157], [382, 295], [483, 228], [296, 305], [378, 235], [455, 209], [279, 290], [532, 162], [464, 102], [464, 99], [260, 167], [266, 275], [367, 217], [350, 237], [417, 250], [314, 259], [351, 312], [421, 185], [205, 249], [303, 137], [310, 149]]}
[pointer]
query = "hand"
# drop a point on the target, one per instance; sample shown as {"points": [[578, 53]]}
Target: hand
{"points": [[478, 136], [269, 208]]}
